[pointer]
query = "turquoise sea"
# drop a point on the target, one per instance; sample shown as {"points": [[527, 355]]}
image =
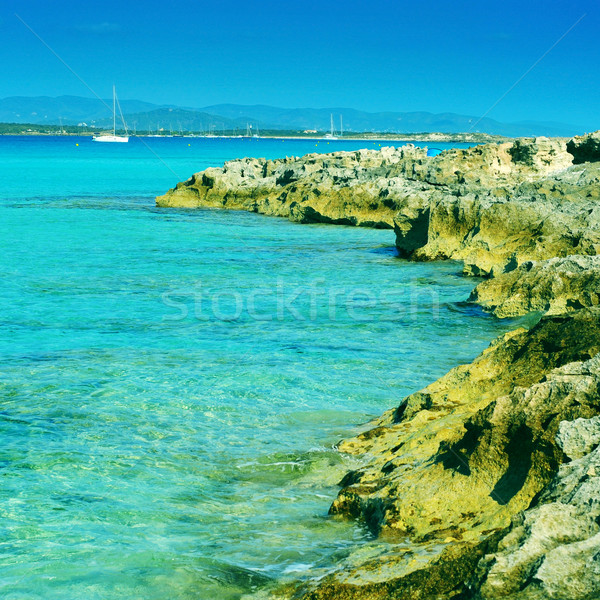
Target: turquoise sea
{"points": [[173, 382]]}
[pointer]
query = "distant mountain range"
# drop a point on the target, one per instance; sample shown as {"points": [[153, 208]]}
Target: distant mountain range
{"points": [[144, 116]]}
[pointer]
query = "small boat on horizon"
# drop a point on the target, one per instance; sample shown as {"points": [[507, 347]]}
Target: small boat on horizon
{"points": [[114, 137]]}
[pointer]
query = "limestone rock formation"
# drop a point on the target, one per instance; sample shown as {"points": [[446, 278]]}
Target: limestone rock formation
{"points": [[350, 188], [365, 187], [496, 229], [492, 206], [552, 286], [486, 483], [449, 468], [552, 550], [579, 437], [585, 148]]}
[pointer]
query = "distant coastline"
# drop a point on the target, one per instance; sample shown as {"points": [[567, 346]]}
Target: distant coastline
{"points": [[28, 129], [217, 119]]}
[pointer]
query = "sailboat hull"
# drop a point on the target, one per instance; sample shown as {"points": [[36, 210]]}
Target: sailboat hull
{"points": [[110, 138]]}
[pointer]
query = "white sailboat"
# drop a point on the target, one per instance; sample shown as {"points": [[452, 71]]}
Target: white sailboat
{"points": [[331, 136], [114, 137]]}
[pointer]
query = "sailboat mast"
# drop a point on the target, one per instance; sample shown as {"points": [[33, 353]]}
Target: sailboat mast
{"points": [[104, 137], [341, 126], [331, 124]]}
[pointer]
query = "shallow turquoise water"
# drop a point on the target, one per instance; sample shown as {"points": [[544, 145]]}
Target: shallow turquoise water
{"points": [[173, 381]]}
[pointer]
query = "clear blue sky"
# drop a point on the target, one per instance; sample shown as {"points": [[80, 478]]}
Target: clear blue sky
{"points": [[458, 56]]}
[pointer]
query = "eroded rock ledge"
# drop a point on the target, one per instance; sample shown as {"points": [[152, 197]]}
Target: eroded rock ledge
{"points": [[462, 468], [486, 483]]}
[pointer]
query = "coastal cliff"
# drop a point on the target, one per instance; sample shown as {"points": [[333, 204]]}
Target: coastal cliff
{"points": [[486, 483]]}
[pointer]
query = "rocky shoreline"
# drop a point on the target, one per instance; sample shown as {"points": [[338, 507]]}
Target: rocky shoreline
{"points": [[487, 482]]}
